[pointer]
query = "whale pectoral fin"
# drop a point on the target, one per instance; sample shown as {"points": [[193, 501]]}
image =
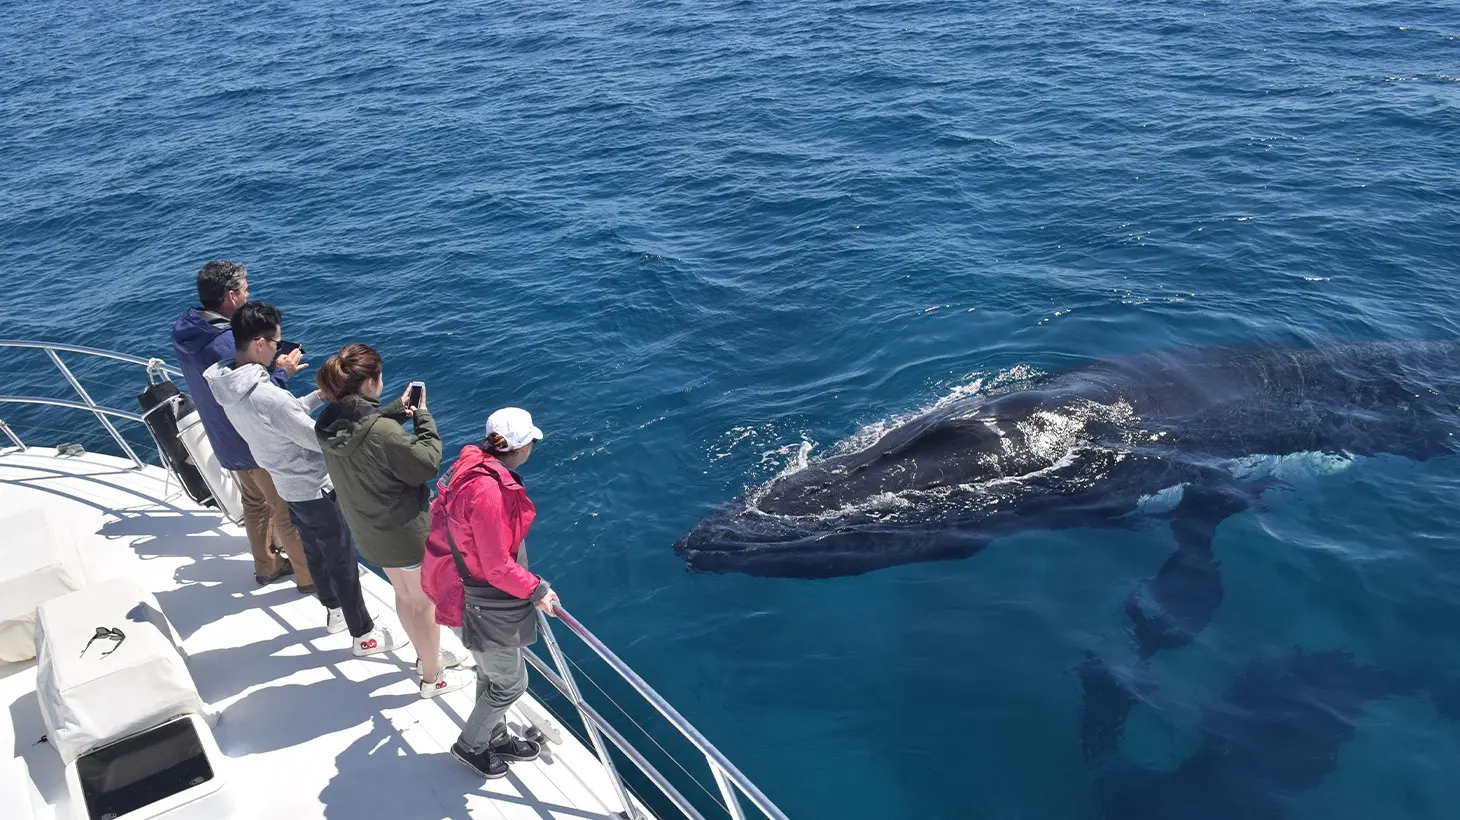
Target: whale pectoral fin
{"points": [[1185, 592], [1104, 708]]}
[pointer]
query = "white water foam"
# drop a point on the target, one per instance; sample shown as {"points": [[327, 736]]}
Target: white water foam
{"points": [[1290, 467], [1054, 439], [1050, 436]]}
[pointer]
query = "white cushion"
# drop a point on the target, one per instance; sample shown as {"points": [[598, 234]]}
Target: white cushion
{"points": [[93, 695], [225, 488], [38, 561]]}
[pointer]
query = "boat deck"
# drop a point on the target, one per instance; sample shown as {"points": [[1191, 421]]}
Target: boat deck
{"points": [[308, 729]]}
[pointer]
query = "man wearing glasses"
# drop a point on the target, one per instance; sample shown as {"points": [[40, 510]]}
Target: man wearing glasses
{"points": [[280, 434], [202, 337]]}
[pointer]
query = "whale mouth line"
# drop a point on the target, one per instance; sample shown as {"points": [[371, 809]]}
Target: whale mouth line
{"points": [[847, 550]]}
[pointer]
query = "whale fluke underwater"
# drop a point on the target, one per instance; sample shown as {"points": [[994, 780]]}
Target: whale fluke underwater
{"points": [[1179, 434], [1278, 732]]}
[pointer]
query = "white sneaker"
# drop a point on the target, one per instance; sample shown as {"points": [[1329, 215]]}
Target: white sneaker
{"points": [[449, 680], [448, 661], [335, 621], [376, 641]]}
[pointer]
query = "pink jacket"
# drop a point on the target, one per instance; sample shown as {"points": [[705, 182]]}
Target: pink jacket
{"points": [[489, 514]]}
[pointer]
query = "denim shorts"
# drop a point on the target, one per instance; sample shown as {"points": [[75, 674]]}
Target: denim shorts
{"points": [[412, 568]]}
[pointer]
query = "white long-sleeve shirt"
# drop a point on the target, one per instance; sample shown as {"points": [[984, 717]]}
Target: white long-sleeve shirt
{"points": [[277, 426]]}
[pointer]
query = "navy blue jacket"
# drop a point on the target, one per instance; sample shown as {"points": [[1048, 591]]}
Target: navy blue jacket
{"points": [[200, 339]]}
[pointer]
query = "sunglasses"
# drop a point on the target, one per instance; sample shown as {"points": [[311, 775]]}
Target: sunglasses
{"points": [[105, 633]]}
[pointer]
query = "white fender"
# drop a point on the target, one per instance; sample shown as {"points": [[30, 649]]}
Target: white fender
{"points": [[220, 481]]}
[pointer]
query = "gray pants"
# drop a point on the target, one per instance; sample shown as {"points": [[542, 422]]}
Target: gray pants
{"points": [[501, 680]]}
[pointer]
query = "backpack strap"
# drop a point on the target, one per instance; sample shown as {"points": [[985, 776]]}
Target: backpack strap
{"points": [[466, 577]]}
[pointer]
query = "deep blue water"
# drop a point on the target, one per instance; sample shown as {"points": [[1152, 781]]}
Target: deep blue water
{"points": [[691, 237]]}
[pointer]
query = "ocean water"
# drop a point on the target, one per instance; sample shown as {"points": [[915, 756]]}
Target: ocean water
{"points": [[702, 240]]}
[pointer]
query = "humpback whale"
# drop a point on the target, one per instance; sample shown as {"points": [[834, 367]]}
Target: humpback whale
{"points": [[1178, 431], [1278, 732]]}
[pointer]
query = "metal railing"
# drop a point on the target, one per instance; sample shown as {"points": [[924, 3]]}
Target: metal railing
{"points": [[103, 414], [728, 778], [731, 782]]}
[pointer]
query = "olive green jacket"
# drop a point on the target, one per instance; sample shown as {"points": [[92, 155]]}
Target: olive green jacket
{"points": [[382, 475]]}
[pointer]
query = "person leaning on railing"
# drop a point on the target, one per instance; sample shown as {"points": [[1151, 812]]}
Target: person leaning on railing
{"points": [[476, 573], [382, 477]]}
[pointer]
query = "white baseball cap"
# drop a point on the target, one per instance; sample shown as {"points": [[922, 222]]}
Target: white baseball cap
{"points": [[515, 425]]}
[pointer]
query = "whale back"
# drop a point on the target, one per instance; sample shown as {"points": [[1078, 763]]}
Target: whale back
{"points": [[1082, 447]]}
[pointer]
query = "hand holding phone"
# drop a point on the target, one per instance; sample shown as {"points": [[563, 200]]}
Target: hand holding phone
{"points": [[415, 397], [290, 357]]}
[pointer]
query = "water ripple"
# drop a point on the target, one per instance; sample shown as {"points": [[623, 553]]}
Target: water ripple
{"points": [[692, 237]]}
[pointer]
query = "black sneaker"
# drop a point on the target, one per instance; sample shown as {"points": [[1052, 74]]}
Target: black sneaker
{"points": [[515, 748], [284, 569], [486, 764]]}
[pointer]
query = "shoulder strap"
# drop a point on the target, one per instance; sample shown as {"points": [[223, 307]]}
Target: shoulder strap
{"points": [[466, 576]]}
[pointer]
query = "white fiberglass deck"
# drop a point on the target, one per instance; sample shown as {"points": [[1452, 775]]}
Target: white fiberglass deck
{"points": [[309, 730]]}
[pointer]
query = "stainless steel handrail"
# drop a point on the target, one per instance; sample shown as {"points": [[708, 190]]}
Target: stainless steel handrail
{"points": [[633, 754], [571, 691], [727, 777], [53, 350], [74, 405], [10, 434], [88, 351]]}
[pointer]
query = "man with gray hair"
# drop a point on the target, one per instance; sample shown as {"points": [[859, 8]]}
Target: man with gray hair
{"points": [[201, 337]]}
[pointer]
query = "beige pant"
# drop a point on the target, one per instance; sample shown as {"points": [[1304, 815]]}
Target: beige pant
{"points": [[265, 519]]}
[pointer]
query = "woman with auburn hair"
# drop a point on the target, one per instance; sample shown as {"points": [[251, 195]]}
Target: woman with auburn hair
{"points": [[382, 476]]}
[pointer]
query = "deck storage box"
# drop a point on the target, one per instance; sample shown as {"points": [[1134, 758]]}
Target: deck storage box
{"points": [[109, 668]]}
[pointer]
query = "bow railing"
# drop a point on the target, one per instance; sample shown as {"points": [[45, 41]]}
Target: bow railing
{"points": [[103, 414], [731, 782]]}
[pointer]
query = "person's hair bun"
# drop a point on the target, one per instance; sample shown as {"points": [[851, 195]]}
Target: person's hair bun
{"points": [[342, 374]]}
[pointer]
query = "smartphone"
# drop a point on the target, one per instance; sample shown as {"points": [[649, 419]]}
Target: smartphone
{"points": [[285, 348], [418, 390]]}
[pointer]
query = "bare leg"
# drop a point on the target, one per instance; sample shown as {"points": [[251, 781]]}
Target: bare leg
{"points": [[418, 617]]}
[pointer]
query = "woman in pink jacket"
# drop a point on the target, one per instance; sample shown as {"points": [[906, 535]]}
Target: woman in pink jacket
{"points": [[479, 520]]}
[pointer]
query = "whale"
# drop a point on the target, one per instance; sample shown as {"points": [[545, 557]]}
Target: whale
{"points": [[1277, 732], [1187, 435]]}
